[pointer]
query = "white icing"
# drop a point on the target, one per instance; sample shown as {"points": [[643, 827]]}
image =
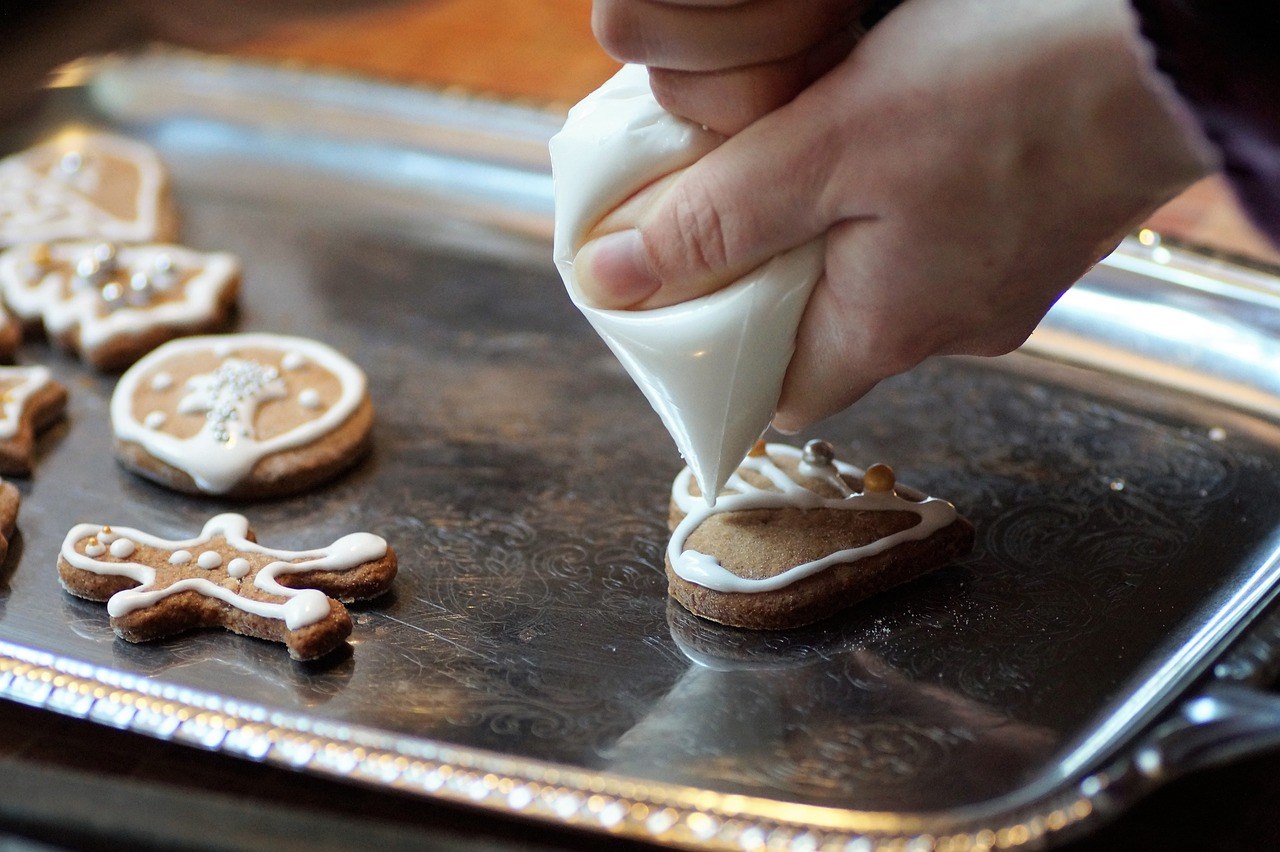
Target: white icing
{"points": [[209, 560], [309, 398], [122, 548], [161, 381], [215, 465], [106, 535], [31, 380], [712, 367], [238, 567], [178, 557], [97, 548], [300, 607], [155, 420], [44, 296], [293, 361], [707, 571], [58, 202]]}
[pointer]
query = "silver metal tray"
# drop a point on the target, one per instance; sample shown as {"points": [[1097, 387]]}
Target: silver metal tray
{"points": [[1106, 634]]}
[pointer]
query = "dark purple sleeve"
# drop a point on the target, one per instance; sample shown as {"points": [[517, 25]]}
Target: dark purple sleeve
{"points": [[1223, 57]]}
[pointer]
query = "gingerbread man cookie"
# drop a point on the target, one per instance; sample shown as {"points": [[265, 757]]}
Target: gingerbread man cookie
{"points": [[85, 186], [113, 304], [10, 500], [155, 587], [243, 415], [797, 536], [30, 400]]}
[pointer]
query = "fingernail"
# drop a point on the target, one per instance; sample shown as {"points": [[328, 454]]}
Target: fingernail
{"points": [[613, 271]]}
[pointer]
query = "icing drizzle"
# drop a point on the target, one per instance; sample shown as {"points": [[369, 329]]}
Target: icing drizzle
{"points": [[226, 448], [300, 608], [706, 570]]}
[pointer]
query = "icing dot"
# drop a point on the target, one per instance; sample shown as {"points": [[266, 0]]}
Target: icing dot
{"points": [[94, 548], [122, 547], [306, 607], [155, 420], [238, 567], [293, 361], [107, 536], [210, 559], [309, 398], [180, 557], [161, 381]]}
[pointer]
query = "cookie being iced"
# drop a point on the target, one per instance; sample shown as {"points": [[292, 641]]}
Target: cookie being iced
{"points": [[797, 536], [155, 587], [82, 186], [113, 304], [241, 415], [30, 400]]}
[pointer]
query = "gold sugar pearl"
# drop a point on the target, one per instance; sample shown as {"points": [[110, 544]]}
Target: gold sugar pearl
{"points": [[757, 451], [92, 542], [40, 254], [878, 479]]}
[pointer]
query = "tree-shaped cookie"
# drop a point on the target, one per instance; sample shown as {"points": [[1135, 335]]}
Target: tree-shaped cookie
{"points": [[114, 303], [156, 587], [82, 186]]}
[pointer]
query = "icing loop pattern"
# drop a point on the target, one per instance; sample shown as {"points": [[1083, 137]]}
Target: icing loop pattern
{"points": [[741, 496], [83, 549]]}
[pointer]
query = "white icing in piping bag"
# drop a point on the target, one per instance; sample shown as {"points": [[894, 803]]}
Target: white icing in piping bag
{"points": [[711, 367]]}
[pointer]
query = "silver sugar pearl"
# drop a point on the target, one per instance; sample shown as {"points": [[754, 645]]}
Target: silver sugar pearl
{"points": [[88, 268], [71, 162], [113, 294], [139, 289], [105, 253], [163, 270], [818, 454]]}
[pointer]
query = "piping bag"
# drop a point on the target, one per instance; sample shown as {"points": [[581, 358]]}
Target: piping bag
{"points": [[712, 367]]}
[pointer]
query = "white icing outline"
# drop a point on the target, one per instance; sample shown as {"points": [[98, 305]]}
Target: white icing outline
{"points": [[217, 467], [705, 570], [33, 380], [47, 207], [44, 299], [302, 606]]}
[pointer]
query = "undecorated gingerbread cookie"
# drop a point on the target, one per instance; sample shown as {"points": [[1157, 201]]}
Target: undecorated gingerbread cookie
{"points": [[30, 400], [10, 499], [113, 304], [242, 415], [155, 587], [82, 186], [797, 536]]}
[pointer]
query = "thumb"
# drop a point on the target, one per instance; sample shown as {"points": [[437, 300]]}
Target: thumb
{"points": [[700, 229]]}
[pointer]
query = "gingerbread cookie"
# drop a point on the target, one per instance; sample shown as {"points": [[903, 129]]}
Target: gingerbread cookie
{"points": [[85, 186], [10, 499], [30, 400], [113, 304], [797, 536], [155, 587], [242, 415]]}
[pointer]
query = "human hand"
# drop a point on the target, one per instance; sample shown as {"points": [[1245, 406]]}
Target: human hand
{"points": [[968, 161]]}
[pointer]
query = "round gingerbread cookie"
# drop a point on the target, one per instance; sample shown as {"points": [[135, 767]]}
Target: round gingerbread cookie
{"points": [[241, 415]]}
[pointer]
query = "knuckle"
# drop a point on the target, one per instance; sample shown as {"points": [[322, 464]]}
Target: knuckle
{"points": [[700, 227]]}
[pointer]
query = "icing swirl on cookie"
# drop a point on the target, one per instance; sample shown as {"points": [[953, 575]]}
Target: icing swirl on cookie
{"points": [[300, 608], [31, 380], [741, 496]]}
